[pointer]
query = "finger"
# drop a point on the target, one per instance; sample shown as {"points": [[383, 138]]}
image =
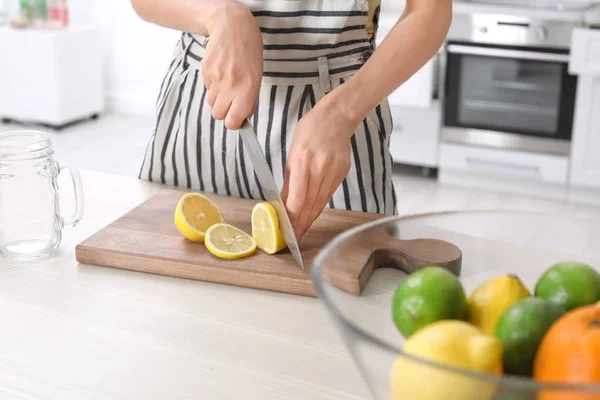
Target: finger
{"points": [[238, 112], [205, 74], [336, 172], [297, 190], [221, 107], [314, 211], [314, 184], [252, 101], [207, 82], [211, 96], [286, 185], [254, 109], [326, 191]]}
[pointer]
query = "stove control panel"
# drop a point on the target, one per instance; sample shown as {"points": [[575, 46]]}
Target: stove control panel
{"points": [[512, 30]]}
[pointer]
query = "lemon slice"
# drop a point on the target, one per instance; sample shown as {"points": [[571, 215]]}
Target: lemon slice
{"points": [[265, 228], [195, 213], [227, 241]]}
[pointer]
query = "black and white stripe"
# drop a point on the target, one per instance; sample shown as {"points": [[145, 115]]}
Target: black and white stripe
{"points": [[191, 149]]}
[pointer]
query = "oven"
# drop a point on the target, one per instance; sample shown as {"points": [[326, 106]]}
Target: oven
{"points": [[507, 85]]}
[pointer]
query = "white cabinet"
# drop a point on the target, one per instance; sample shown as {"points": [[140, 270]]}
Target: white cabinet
{"points": [[585, 52], [585, 150], [416, 114], [418, 90], [415, 138], [51, 76], [503, 164]]}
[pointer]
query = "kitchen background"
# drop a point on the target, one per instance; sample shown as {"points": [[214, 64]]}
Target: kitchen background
{"points": [[506, 114]]}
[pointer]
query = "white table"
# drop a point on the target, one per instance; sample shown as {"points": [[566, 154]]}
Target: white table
{"points": [[73, 331]]}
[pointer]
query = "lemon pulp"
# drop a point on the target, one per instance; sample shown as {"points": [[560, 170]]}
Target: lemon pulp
{"points": [[228, 242], [265, 228], [195, 214]]}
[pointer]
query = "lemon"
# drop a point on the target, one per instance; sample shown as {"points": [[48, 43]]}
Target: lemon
{"points": [[194, 214], [452, 343], [228, 242], [265, 228], [488, 301]]}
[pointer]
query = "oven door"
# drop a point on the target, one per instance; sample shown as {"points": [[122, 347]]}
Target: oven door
{"points": [[508, 97]]}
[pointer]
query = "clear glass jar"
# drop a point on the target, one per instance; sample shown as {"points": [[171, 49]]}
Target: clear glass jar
{"points": [[30, 219]]}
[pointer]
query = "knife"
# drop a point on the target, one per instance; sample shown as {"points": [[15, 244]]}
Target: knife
{"points": [[269, 187]]}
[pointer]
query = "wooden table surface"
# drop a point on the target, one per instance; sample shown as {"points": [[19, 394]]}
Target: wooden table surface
{"points": [[72, 331]]}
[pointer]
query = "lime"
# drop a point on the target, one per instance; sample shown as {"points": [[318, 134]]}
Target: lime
{"points": [[425, 296], [570, 285], [521, 330]]}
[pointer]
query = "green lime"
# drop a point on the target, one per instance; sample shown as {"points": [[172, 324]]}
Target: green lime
{"points": [[521, 330], [570, 285], [425, 296]]}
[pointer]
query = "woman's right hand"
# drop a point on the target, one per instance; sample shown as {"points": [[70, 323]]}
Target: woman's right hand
{"points": [[233, 64]]}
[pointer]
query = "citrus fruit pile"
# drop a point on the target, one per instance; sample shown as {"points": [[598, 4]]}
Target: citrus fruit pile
{"points": [[550, 335], [200, 220]]}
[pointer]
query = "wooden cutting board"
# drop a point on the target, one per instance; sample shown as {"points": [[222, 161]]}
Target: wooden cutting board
{"points": [[146, 240]]}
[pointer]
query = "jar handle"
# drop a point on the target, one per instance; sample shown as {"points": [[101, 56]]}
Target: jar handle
{"points": [[78, 185]]}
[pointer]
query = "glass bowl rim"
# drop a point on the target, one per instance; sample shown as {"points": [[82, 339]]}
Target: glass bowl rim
{"points": [[524, 382]]}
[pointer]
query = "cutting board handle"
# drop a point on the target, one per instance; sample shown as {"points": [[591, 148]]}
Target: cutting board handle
{"points": [[355, 263]]}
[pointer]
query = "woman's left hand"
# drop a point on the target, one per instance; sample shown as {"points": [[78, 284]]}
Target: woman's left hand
{"points": [[318, 162]]}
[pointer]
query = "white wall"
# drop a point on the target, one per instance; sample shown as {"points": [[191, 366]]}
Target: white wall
{"points": [[136, 53]]}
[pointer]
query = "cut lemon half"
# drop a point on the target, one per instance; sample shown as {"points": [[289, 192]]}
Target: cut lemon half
{"points": [[265, 228], [195, 213], [227, 241]]}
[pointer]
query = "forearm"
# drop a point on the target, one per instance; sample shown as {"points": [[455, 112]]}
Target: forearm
{"points": [[194, 16], [413, 41]]}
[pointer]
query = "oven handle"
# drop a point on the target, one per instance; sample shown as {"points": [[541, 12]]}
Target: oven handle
{"points": [[507, 53]]}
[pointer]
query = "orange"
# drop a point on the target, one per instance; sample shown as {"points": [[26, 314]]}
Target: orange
{"points": [[570, 353]]}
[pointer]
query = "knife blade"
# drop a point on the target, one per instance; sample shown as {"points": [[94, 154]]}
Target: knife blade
{"points": [[265, 177]]}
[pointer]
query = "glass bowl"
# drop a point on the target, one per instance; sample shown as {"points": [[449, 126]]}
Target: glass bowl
{"points": [[356, 276]]}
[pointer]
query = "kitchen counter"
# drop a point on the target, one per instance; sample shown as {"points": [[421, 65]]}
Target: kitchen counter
{"points": [[76, 332]]}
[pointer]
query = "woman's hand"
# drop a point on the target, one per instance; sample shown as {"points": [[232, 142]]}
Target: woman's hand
{"points": [[318, 161], [233, 64]]}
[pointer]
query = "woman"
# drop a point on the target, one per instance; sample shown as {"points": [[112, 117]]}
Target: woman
{"points": [[306, 74]]}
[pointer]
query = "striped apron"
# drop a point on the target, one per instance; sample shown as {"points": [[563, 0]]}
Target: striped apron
{"points": [[310, 48]]}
